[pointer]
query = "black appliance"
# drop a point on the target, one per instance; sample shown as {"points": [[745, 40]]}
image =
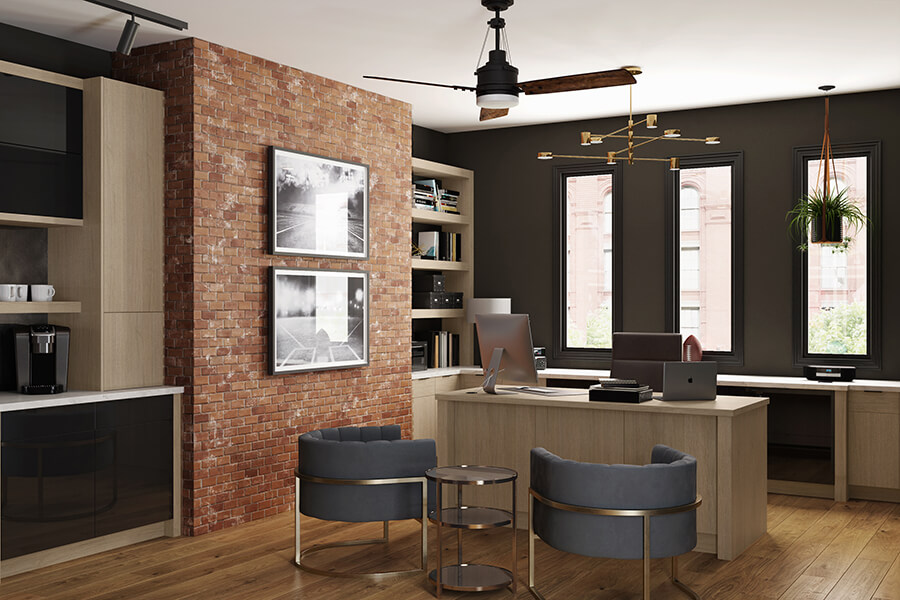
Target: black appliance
{"points": [[42, 358], [829, 373], [419, 356]]}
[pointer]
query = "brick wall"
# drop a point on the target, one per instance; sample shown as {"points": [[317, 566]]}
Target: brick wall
{"points": [[223, 109]]}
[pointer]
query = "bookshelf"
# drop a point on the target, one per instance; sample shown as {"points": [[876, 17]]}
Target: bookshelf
{"points": [[459, 275]]}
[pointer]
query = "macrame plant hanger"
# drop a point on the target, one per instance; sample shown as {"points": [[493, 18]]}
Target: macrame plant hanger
{"points": [[826, 158]]}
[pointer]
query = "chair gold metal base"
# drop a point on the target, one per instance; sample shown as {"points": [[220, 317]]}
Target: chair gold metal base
{"points": [[645, 514], [300, 555]]}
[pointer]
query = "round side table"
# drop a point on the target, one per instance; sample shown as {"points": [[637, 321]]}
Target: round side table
{"points": [[462, 576]]}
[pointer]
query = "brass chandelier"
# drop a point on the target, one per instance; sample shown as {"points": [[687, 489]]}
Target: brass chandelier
{"points": [[627, 133]]}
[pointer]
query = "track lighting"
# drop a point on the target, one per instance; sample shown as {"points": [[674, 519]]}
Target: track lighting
{"points": [[126, 41]]}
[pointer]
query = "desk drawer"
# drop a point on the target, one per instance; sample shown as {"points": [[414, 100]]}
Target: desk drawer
{"points": [[874, 402]]}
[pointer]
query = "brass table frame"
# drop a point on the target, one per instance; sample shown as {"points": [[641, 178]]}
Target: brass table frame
{"points": [[438, 520], [376, 576], [645, 514]]}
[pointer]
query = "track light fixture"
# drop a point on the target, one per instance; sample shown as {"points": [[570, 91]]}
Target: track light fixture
{"points": [[126, 41], [627, 133]]}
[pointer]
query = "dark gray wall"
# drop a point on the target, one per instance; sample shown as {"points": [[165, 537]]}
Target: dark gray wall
{"points": [[514, 214], [430, 144]]}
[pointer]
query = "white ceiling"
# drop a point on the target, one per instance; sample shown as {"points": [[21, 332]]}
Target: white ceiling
{"points": [[694, 53]]}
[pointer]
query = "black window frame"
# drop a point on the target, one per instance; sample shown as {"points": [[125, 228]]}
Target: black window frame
{"points": [[591, 357], [872, 359], [735, 160]]}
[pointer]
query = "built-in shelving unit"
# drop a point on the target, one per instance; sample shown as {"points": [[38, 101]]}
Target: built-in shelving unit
{"points": [[53, 307], [459, 274]]}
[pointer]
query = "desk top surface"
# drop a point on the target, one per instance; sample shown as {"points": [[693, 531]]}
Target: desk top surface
{"points": [[722, 406]]}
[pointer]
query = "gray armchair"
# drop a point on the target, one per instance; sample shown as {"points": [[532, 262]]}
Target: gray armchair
{"points": [[615, 511], [359, 475]]}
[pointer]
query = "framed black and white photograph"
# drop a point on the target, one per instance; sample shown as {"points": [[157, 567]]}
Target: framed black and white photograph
{"points": [[318, 320], [317, 206]]}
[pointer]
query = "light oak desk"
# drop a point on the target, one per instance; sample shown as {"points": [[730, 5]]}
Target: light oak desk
{"points": [[727, 436]]}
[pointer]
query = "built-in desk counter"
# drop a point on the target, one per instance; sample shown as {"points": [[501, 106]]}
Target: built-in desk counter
{"points": [[728, 437]]}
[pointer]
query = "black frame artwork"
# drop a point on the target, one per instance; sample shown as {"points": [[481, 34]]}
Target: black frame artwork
{"points": [[318, 206], [318, 320]]}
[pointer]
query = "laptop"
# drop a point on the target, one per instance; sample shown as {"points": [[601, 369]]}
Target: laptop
{"points": [[689, 381]]}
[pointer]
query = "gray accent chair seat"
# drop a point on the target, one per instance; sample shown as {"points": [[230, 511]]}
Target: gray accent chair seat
{"points": [[362, 474], [615, 511]]}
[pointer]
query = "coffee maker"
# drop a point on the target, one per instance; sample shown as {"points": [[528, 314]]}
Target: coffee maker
{"points": [[42, 358]]}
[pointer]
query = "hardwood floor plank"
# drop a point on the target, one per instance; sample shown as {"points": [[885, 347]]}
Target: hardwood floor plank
{"points": [[889, 589]]}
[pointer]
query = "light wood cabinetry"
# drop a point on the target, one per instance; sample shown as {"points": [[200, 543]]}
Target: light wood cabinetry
{"points": [[873, 445], [459, 274], [113, 264]]}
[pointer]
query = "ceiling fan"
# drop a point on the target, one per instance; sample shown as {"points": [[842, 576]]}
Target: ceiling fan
{"points": [[498, 87]]}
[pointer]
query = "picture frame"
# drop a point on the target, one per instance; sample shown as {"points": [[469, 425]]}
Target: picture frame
{"points": [[318, 319], [318, 206]]}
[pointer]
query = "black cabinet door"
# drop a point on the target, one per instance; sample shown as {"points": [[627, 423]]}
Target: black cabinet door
{"points": [[47, 473]]}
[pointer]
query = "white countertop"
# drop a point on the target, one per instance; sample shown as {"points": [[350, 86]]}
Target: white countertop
{"points": [[722, 406], [759, 381], [10, 401]]}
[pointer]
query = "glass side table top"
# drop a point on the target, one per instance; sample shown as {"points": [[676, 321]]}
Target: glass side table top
{"points": [[471, 474]]}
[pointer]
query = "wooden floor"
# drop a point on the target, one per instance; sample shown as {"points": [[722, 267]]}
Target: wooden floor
{"points": [[814, 549]]}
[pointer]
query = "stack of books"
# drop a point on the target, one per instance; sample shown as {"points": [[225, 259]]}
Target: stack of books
{"points": [[449, 202], [443, 349], [424, 197]]}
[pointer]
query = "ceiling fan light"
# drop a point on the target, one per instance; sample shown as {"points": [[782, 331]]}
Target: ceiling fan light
{"points": [[672, 133], [651, 121], [497, 100], [713, 140], [545, 156]]}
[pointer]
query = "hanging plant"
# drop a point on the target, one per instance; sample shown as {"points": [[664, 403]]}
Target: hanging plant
{"points": [[807, 219]]}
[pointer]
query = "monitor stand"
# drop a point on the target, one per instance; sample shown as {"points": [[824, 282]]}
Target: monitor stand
{"points": [[493, 370]]}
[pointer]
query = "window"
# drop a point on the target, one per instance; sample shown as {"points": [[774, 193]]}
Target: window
{"points": [[587, 304], [704, 217], [838, 314]]}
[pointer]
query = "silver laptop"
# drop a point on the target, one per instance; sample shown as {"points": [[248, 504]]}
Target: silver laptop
{"points": [[689, 381]]}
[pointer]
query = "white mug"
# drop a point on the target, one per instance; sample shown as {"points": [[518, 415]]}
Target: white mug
{"points": [[42, 293], [21, 292], [7, 292]]}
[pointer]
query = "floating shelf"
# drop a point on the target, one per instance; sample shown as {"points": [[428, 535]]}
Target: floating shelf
{"points": [[434, 217], [24, 308], [438, 313], [20, 220], [439, 265]]}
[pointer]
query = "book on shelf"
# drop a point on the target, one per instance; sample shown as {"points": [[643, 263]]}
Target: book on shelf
{"points": [[442, 349], [448, 201]]}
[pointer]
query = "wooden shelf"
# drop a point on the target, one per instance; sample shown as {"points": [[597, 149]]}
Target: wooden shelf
{"points": [[438, 313], [20, 220], [24, 308], [433, 217], [439, 265]]}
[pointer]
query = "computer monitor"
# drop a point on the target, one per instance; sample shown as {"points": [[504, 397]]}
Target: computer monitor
{"points": [[506, 346]]}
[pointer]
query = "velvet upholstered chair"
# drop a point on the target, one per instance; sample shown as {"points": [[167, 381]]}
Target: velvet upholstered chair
{"points": [[615, 511], [363, 474]]}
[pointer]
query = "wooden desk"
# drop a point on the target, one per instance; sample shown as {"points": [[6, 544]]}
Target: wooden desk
{"points": [[727, 436]]}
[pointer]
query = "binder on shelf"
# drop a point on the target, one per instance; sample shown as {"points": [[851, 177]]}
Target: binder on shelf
{"points": [[429, 243], [442, 349]]}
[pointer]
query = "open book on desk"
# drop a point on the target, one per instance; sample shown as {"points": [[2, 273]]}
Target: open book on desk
{"points": [[544, 391]]}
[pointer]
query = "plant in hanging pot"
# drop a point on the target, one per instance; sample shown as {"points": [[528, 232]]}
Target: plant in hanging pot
{"points": [[839, 211]]}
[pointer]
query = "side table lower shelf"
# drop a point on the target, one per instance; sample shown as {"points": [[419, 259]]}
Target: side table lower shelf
{"points": [[472, 577]]}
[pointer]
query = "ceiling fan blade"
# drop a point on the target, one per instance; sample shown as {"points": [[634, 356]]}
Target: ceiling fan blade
{"points": [[464, 88], [492, 113], [584, 81]]}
